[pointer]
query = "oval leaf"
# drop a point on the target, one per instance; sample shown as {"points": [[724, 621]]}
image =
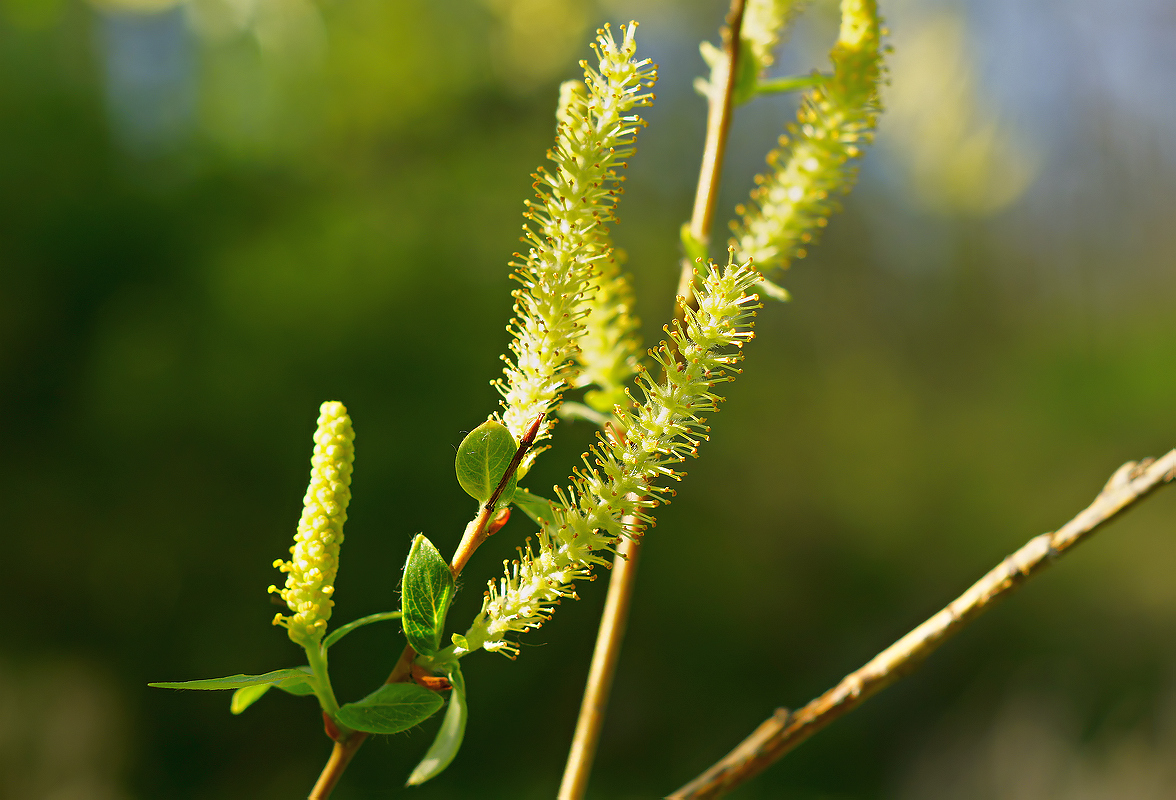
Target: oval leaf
{"points": [[247, 696], [482, 460], [279, 677], [448, 740], [426, 591], [392, 708]]}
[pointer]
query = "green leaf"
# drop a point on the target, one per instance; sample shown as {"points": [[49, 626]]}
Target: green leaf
{"points": [[537, 508], [298, 689], [572, 410], [773, 290], [426, 592], [694, 248], [339, 633], [448, 740], [247, 696], [483, 459], [392, 708], [280, 678]]}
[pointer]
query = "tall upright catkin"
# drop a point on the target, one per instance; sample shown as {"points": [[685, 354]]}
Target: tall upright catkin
{"points": [[567, 232]]}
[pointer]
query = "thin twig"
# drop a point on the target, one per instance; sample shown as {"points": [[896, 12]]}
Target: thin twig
{"points": [[624, 573], [486, 523], [784, 730], [341, 756], [718, 123], [600, 675]]}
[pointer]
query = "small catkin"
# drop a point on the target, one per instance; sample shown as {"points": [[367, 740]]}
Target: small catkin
{"points": [[310, 581], [791, 204], [615, 492], [566, 231]]}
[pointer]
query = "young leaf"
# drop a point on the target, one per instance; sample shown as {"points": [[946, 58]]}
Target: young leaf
{"points": [[342, 631], [483, 459], [426, 592], [774, 291], [449, 737], [279, 677], [534, 506], [392, 708], [247, 696]]}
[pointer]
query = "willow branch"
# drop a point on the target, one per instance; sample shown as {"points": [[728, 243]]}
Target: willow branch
{"points": [[600, 675], [484, 525], [718, 124], [785, 730], [341, 756]]}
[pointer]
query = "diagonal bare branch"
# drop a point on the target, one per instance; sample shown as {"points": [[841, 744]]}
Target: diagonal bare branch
{"points": [[784, 730]]}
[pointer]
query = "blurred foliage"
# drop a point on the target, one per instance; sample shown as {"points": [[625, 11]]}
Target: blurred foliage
{"points": [[218, 214], [962, 158]]}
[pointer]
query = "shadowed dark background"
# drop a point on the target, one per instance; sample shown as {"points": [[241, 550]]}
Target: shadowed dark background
{"points": [[216, 214]]}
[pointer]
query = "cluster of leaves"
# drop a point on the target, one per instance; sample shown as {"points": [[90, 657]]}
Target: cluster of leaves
{"points": [[426, 589]]}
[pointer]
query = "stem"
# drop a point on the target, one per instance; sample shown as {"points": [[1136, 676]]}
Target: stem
{"points": [[341, 756], [316, 656], [784, 730], [718, 123], [475, 534], [600, 675], [790, 83]]}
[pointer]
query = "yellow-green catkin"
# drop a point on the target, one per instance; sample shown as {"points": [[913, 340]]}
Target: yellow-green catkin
{"points": [[764, 22], [609, 348], [616, 491], [609, 343], [567, 233], [793, 202], [310, 581]]}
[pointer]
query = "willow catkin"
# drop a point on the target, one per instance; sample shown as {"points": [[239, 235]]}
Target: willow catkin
{"points": [[613, 495], [793, 201], [566, 231], [314, 562]]}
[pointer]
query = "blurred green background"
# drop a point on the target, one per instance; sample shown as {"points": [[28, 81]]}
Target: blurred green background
{"points": [[214, 215]]}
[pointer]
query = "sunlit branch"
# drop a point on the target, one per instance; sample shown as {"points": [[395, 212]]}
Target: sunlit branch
{"points": [[784, 730]]}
